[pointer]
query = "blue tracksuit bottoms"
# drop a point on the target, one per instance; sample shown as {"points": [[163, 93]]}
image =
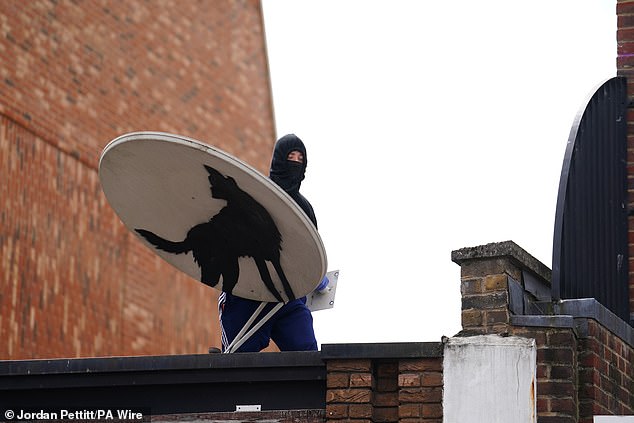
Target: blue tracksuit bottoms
{"points": [[291, 328]]}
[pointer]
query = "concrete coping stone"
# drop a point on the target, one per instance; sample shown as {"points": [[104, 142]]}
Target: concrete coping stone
{"points": [[505, 249]]}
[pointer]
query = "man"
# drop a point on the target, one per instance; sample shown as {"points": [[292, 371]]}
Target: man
{"points": [[291, 328]]}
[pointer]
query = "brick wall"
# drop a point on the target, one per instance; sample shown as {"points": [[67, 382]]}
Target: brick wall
{"points": [[349, 390], [384, 383], [282, 416], [625, 67], [420, 390], [73, 76], [606, 373], [584, 354], [557, 386], [387, 395]]}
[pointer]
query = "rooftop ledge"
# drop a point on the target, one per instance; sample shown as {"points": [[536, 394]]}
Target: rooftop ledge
{"points": [[191, 383], [506, 249], [169, 384], [256, 362], [393, 350]]}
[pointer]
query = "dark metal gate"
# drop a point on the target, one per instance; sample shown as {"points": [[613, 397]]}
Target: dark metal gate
{"points": [[590, 249]]}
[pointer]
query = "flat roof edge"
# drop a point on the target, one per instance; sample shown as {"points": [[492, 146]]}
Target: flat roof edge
{"points": [[391, 350], [156, 363]]}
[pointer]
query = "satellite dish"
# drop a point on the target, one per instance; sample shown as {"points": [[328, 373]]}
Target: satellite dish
{"points": [[212, 216]]}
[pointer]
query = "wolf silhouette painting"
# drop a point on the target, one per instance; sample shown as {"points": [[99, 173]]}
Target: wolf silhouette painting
{"points": [[242, 228]]}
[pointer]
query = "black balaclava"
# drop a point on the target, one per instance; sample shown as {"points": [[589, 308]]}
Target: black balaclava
{"points": [[289, 174]]}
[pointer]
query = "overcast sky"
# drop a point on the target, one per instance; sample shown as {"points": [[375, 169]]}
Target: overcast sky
{"points": [[430, 126]]}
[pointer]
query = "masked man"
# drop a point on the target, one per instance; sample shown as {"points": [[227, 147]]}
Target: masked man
{"points": [[291, 328]]}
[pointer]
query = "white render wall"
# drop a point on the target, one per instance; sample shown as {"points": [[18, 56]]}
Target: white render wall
{"points": [[489, 379]]}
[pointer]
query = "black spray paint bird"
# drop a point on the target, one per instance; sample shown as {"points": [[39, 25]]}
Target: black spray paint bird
{"points": [[243, 228]]}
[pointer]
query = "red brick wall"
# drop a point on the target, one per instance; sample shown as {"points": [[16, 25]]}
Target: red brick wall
{"points": [[579, 374], [557, 385], [625, 67], [73, 76], [349, 390], [385, 398], [281, 416], [384, 390], [420, 384], [485, 310], [606, 374]]}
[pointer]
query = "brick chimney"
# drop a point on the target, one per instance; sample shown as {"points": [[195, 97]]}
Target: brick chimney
{"points": [[625, 67]]}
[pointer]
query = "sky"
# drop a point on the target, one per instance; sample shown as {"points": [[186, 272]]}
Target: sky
{"points": [[430, 126]]}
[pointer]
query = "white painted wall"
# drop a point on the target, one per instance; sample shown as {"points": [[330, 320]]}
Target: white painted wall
{"points": [[489, 379]]}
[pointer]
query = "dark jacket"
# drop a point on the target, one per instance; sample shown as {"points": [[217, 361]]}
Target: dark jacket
{"points": [[288, 174]]}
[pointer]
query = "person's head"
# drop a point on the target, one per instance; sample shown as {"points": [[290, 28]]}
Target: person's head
{"points": [[288, 165]]}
